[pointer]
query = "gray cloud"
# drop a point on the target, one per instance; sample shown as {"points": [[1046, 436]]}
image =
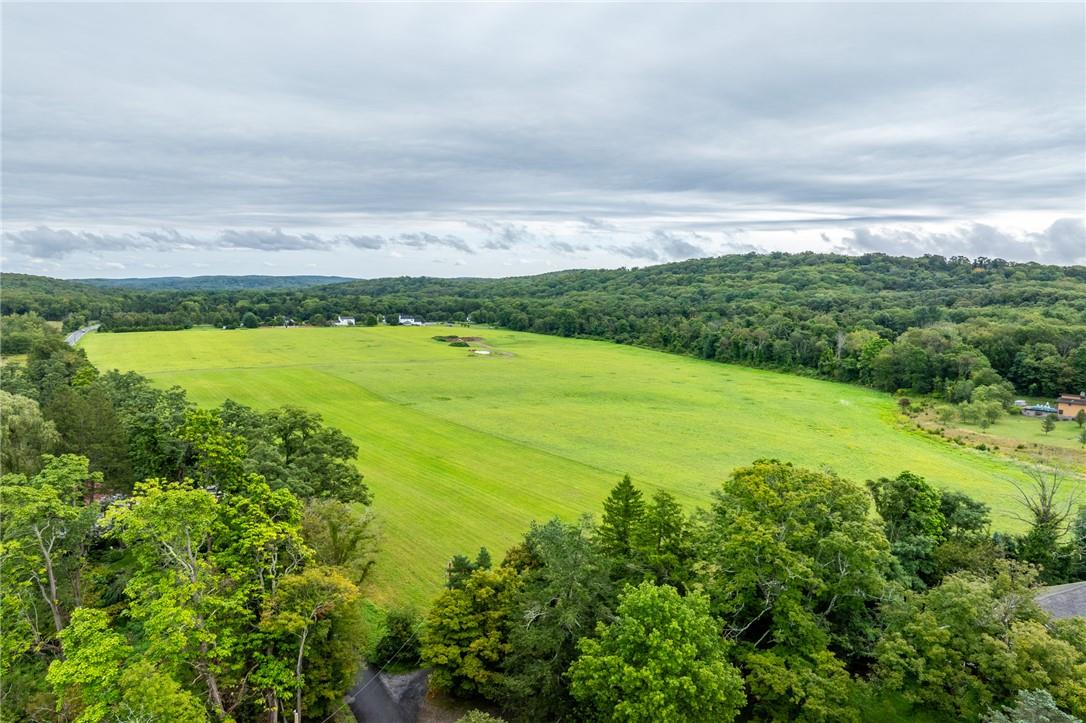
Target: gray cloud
{"points": [[273, 240], [596, 225], [364, 241], [637, 251], [674, 246], [43, 242], [564, 247], [665, 246], [420, 240], [503, 236], [600, 124], [1063, 242]]}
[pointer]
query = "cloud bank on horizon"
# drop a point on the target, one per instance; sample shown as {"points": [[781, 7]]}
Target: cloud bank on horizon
{"points": [[371, 140]]}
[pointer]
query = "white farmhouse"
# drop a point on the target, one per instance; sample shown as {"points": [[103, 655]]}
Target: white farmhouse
{"points": [[344, 321], [406, 320]]}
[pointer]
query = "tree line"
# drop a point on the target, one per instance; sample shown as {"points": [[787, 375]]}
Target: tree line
{"points": [[919, 324], [786, 599]]}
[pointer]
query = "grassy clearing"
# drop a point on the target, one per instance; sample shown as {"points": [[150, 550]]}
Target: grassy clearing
{"points": [[464, 450], [1028, 430]]}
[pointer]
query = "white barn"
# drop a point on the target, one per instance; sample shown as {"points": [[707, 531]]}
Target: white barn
{"points": [[344, 321]]}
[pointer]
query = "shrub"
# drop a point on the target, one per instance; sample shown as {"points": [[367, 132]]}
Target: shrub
{"points": [[399, 646], [478, 716]]}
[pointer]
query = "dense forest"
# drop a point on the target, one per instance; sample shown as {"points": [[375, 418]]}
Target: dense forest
{"points": [[917, 324], [163, 562]]}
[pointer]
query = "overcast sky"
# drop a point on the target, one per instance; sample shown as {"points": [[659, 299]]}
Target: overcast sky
{"points": [[486, 140]]}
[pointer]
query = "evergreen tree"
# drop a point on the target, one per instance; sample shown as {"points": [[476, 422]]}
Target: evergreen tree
{"points": [[622, 511], [1048, 423], [458, 571], [661, 540]]}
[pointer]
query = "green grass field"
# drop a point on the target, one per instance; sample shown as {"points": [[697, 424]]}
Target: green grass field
{"points": [[464, 450]]}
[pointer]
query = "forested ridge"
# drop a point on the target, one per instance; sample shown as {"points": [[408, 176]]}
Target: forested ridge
{"points": [[215, 283], [916, 324]]}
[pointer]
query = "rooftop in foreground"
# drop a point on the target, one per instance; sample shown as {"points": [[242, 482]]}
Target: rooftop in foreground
{"points": [[1064, 601]]}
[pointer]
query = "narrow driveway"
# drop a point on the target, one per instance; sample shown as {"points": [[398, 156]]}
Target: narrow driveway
{"points": [[371, 702]]}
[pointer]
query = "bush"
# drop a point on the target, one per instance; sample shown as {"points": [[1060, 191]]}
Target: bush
{"points": [[459, 343], [478, 716], [399, 646]]}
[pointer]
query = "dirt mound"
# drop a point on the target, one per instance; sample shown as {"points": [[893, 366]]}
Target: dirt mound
{"points": [[455, 339]]}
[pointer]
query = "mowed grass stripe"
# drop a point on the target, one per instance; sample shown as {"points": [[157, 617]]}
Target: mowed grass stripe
{"points": [[464, 451], [440, 488]]}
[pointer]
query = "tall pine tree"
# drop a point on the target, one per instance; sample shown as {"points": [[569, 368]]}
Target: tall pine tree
{"points": [[622, 511]]}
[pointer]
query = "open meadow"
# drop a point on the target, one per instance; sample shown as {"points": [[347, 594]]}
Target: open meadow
{"points": [[463, 450]]}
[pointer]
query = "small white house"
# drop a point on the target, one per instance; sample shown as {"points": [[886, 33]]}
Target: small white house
{"points": [[344, 321], [406, 320]]}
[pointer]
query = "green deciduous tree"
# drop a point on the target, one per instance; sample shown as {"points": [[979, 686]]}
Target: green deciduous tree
{"points": [[466, 636], [208, 563], [794, 566], [1048, 500], [972, 642], [46, 529], [89, 425], [342, 534], [104, 675], [293, 449], [661, 659], [25, 435], [913, 522], [792, 556], [399, 645], [562, 599], [299, 602]]}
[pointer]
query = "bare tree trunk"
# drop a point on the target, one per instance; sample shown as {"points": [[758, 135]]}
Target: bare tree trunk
{"points": [[52, 599], [273, 707], [298, 678], [212, 681]]}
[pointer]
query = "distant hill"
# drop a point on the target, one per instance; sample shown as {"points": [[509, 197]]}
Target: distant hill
{"points": [[216, 283]]}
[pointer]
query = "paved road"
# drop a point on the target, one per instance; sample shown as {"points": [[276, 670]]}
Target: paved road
{"points": [[73, 338]]}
